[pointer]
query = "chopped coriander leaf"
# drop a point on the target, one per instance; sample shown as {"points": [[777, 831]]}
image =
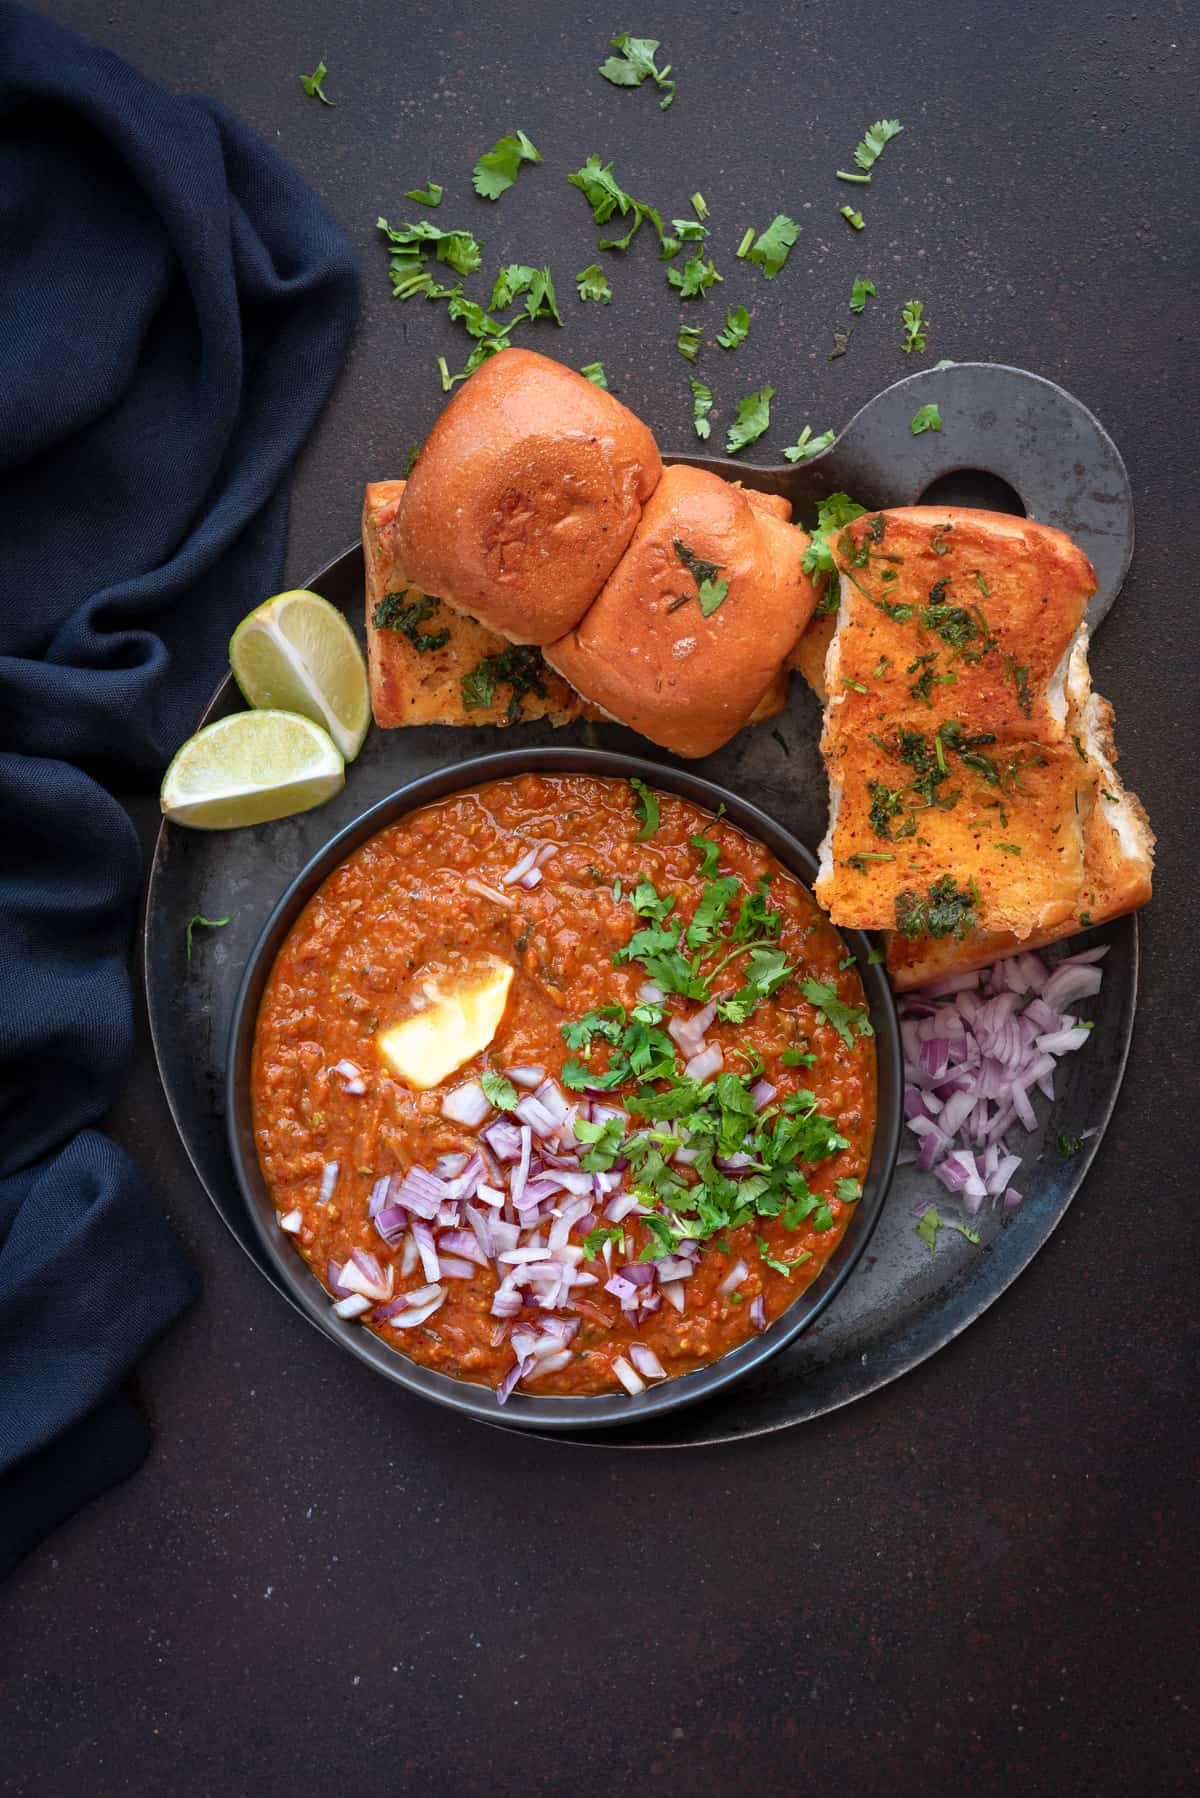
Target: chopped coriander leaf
{"points": [[848, 1191], [927, 418], [594, 372], [688, 341], [852, 217], [947, 911], [756, 918], [912, 317], [833, 515], [841, 343], [645, 804], [710, 855], [701, 572], [429, 195], [635, 63], [928, 1225], [208, 923], [501, 1092], [695, 277], [737, 328], [744, 246], [868, 152], [604, 1142], [410, 244], [709, 913], [498, 167], [312, 85], [519, 667], [806, 445], [393, 614], [593, 284], [594, 1241], [845, 175], [797, 1058], [1067, 1145], [771, 249], [753, 419], [858, 293], [517, 279], [702, 401], [963, 1230], [764, 1254], [847, 1020], [603, 192]]}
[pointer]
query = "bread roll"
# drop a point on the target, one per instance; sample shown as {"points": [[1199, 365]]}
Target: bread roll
{"points": [[646, 654], [526, 493]]}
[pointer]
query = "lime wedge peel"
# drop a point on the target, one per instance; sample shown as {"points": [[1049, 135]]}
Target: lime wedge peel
{"points": [[251, 768], [297, 653]]}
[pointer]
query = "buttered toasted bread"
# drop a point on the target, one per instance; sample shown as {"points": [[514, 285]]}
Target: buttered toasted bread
{"points": [[956, 800], [429, 664]]}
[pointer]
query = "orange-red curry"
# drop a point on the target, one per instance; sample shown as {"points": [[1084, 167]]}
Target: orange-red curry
{"points": [[427, 897]]}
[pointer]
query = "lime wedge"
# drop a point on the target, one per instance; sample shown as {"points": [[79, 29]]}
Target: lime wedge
{"points": [[296, 653], [251, 768]]}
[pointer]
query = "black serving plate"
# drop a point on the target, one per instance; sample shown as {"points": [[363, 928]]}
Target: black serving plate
{"points": [[1002, 429], [525, 1410]]}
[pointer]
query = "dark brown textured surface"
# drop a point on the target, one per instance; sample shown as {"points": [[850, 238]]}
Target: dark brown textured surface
{"points": [[980, 1579]]}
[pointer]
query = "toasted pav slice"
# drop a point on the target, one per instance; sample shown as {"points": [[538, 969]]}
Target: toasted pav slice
{"points": [[1118, 855], [959, 612], [1001, 824], [526, 492], [429, 664], [691, 632]]}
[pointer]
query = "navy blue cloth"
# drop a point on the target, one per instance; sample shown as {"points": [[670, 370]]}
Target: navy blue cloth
{"points": [[175, 305]]}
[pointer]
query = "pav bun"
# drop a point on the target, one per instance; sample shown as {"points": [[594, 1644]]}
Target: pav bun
{"points": [[646, 654], [524, 497]]}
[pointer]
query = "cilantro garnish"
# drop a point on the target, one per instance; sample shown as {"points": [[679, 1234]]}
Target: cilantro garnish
{"points": [[429, 195], [498, 167], [635, 63], [393, 614], [710, 591], [520, 667], [709, 913], [926, 418], [841, 343], [847, 1020], [645, 804], [710, 855], [688, 341], [1067, 1145], [771, 249], [753, 419], [874, 138], [594, 1241], [764, 1254], [947, 911], [833, 514], [852, 217], [806, 445], [848, 1191], [858, 293], [312, 85], [517, 279], [594, 372], [793, 1057], [593, 284], [928, 1225], [702, 400], [410, 244], [604, 1142], [737, 328], [208, 923], [695, 277], [501, 1091], [912, 318]]}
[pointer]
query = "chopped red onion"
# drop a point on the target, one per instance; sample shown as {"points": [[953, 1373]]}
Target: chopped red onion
{"points": [[483, 891], [422, 1235], [631, 1381], [762, 1092], [552, 1362], [733, 1278], [649, 994], [526, 1077], [329, 1174], [758, 1313], [647, 1362], [706, 1064], [454, 1267], [520, 1174], [504, 1140], [622, 1289], [516, 1372], [688, 1033], [290, 1222], [448, 1167], [467, 1105], [674, 1293], [520, 868], [354, 1306], [411, 1316]]}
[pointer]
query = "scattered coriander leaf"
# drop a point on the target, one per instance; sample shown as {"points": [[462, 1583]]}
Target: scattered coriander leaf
{"points": [[595, 1239], [833, 515], [928, 418], [519, 667], [498, 167], [593, 284], [208, 923], [806, 445], [699, 207], [859, 291], [710, 855], [928, 1225], [753, 419], [517, 278], [702, 400], [499, 1089], [845, 175], [849, 1191], [1067, 1145], [764, 1254], [410, 244], [401, 612], [737, 328], [429, 195], [645, 804], [947, 911], [912, 317], [797, 1058], [955, 1223], [773, 246], [852, 217], [868, 152], [312, 85], [635, 63], [847, 1020], [688, 341], [594, 372], [695, 277]]}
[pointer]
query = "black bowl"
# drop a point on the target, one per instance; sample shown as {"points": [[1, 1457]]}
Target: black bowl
{"points": [[547, 1413]]}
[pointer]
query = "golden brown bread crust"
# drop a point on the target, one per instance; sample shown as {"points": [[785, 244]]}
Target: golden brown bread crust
{"points": [[410, 686], [524, 497], [645, 653]]}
